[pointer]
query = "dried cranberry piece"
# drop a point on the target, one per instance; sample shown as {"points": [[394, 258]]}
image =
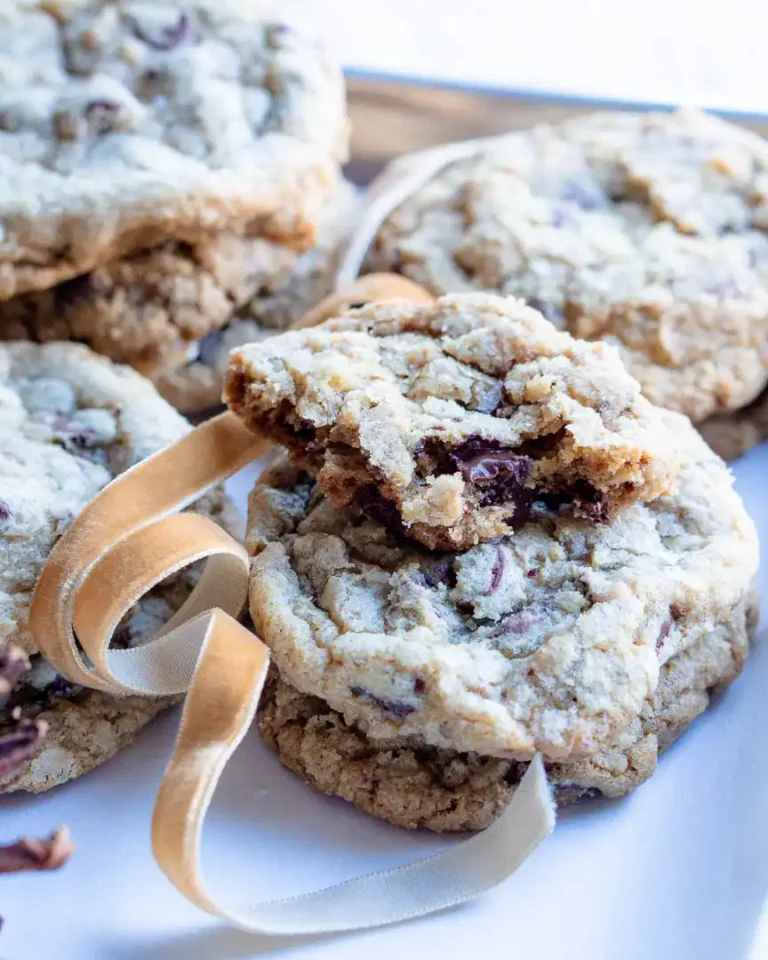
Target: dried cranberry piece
{"points": [[396, 707], [497, 572]]}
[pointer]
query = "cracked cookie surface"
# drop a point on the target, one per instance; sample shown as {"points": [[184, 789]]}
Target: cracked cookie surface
{"points": [[647, 230], [550, 640], [455, 420], [124, 123], [70, 421]]}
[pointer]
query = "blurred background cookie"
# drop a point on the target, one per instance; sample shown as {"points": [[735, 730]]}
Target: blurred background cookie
{"points": [[127, 124], [647, 230]]}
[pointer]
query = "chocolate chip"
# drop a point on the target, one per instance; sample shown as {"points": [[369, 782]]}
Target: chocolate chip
{"points": [[498, 472], [17, 746], [168, 37], [418, 685], [69, 292], [676, 612], [532, 573], [5, 511], [378, 508], [440, 572], [581, 498], [396, 707], [358, 304]]}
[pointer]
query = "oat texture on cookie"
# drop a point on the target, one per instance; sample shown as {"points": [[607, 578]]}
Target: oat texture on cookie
{"points": [[70, 422], [455, 421], [643, 229], [125, 123], [563, 638]]}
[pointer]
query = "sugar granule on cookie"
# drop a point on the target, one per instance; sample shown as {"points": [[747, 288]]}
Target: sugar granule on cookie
{"points": [[455, 421]]}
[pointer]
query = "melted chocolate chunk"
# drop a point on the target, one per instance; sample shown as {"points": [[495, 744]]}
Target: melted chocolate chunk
{"points": [[379, 509], [581, 498], [396, 707], [498, 472]]}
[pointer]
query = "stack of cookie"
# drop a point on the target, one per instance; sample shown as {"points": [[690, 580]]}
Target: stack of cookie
{"points": [[649, 231], [169, 169], [487, 544]]}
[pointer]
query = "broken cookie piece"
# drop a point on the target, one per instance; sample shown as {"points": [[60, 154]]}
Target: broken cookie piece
{"points": [[457, 421]]}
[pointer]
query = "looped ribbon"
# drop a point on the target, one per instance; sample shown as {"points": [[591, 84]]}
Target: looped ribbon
{"points": [[128, 539]]}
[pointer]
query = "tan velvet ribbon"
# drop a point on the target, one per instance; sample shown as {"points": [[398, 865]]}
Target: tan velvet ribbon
{"points": [[130, 538], [399, 180]]}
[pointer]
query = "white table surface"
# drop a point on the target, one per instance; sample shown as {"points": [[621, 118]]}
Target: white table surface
{"points": [[676, 871]]}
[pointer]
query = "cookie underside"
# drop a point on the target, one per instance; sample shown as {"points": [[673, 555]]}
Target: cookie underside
{"points": [[414, 785]]}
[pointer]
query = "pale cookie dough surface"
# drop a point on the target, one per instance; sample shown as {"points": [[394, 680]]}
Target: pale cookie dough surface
{"points": [[548, 640], [286, 286], [647, 230], [124, 123], [455, 418], [418, 786], [70, 421], [732, 434]]}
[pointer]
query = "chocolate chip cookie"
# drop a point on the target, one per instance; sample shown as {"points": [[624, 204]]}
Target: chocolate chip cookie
{"points": [[647, 230], [560, 638], [455, 421], [125, 123], [70, 421], [152, 308]]}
